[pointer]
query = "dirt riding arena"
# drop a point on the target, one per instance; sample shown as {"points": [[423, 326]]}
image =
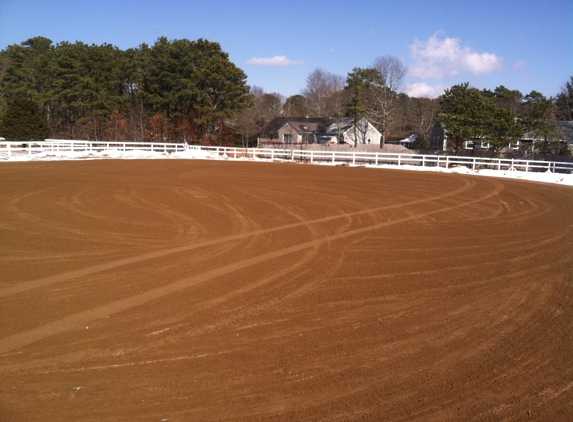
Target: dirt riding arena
{"points": [[181, 290]]}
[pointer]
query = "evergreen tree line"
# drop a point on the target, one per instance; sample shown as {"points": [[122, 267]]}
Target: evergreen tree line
{"points": [[189, 90], [502, 116], [173, 90]]}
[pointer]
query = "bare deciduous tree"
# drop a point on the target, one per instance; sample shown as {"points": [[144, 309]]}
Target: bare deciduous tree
{"points": [[265, 107], [295, 106], [423, 114], [384, 87], [375, 92], [323, 93]]}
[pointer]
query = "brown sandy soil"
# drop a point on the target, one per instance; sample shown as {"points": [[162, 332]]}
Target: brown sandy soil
{"points": [[228, 291]]}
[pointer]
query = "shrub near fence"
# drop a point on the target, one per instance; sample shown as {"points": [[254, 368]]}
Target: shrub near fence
{"points": [[348, 157]]}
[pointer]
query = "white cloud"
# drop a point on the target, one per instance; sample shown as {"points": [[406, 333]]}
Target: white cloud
{"points": [[518, 65], [444, 58], [422, 89], [275, 61]]}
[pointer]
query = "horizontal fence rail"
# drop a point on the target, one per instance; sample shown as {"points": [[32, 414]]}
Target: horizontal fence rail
{"points": [[380, 158], [350, 157]]}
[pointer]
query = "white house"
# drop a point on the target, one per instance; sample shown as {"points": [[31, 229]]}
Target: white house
{"points": [[318, 130], [345, 131]]}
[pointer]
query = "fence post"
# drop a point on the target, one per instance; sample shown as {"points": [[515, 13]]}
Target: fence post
{"points": [[311, 157], [9, 152], [447, 161], [474, 164], [399, 159]]}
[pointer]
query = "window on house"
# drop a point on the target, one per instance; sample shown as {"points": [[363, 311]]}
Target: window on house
{"points": [[287, 138]]}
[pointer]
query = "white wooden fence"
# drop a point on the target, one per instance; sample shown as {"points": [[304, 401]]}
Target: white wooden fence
{"points": [[9, 148], [293, 154], [380, 158]]}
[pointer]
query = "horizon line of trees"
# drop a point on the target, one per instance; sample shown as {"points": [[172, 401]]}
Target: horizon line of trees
{"points": [[502, 117], [189, 90], [171, 90], [498, 118]]}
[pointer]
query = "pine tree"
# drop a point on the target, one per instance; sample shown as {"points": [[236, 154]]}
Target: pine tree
{"points": [[23, 121], [537, 122], [471, 115], [564, 102], [466, 115]]}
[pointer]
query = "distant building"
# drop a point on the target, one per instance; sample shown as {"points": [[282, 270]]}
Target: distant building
{"points": [[528, 141], [437, 138], [405, 139], [318, 130]]}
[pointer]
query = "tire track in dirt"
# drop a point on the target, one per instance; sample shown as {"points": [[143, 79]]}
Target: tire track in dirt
{"points": [[32, 284], [252, 311], [175, 335], [515, 251], [13, 342]]}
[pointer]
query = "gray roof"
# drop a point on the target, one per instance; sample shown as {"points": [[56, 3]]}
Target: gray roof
{"points": [[301, 124], [340, 125], [316, 125]]}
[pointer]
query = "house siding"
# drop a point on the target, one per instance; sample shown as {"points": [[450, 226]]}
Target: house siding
{"points": [[320, 130], [287, 129], [366, 132]]}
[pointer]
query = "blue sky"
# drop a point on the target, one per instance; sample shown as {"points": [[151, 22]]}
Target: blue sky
{"points": [[525, 45]]}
